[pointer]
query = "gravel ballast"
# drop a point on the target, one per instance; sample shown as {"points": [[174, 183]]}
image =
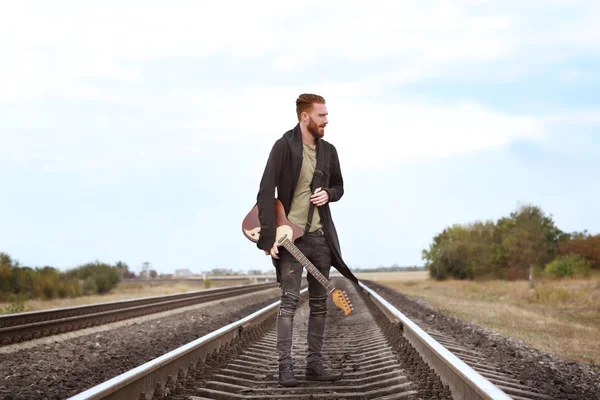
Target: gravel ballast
{"points": [[63, 368], [560, 379]]}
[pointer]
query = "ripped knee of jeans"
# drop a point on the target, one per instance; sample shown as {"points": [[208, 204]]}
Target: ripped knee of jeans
{"points": [[289, 303], [291, 271], [318, 305]]}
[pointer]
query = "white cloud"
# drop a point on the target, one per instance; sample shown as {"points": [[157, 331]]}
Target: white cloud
{"points": [[68, 50], [586, 117], [374, 132], [413, 131], [51, 47], [367, 132]]}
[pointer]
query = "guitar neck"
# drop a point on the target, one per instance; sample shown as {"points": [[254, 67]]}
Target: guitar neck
{"points": [[291, 247]]}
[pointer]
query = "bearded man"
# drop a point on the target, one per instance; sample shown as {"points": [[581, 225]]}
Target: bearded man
{"points": [[290, 169]]}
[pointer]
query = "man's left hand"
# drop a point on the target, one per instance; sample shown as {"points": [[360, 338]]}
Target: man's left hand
{"points": [[320, 197]]}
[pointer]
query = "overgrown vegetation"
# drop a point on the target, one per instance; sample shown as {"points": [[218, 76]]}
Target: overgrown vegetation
{"points": [[16, 306], [561, 317], [19, 283], [569, 265], [506, 249]]}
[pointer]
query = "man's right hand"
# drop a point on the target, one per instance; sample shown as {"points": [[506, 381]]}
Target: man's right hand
{"points": [[274, 251]]}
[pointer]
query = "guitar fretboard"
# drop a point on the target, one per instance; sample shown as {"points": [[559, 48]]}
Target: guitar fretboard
{"points": [[291, 247]]}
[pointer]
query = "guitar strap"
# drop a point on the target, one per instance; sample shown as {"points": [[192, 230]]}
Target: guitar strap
{"points": [[316, 182]]}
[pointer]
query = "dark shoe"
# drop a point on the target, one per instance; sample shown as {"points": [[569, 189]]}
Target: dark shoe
{"points": [[286, 374], [316, 372]]}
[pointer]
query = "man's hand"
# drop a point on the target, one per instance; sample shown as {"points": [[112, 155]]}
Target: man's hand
{"points": [[320, 197], [274, 251]]}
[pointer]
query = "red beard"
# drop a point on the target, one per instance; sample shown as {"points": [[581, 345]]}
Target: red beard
{"points": [[318, 131]]}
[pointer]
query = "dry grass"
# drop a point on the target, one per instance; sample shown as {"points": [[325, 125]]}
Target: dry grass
{"points": [[121, 292], [393, 276], [558, 317]]}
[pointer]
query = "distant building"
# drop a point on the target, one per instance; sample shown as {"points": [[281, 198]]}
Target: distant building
{"points": [[183, 273]]}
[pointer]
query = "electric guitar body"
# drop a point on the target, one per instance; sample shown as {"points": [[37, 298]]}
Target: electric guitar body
{"points": [[286, 234]]}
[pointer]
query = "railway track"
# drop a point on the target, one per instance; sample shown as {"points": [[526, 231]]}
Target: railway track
{"points": [[383, 354], [15, 328], [500, 377]]}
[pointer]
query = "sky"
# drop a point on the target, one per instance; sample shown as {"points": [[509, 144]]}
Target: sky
{"points": [[138, 131]]}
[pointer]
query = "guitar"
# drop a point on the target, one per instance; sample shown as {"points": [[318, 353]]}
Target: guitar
{"points": [[286, 234]]}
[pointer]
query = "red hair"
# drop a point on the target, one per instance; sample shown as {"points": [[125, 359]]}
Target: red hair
{"points": [[305, 101]]}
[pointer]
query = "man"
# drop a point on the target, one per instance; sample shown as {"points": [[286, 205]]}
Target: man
{"points": [[290, 169]]}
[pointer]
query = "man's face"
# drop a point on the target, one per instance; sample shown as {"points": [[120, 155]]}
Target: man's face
{"points": [[317, 120]]}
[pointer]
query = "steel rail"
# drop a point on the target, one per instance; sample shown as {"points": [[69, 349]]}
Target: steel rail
{"points": [[26, 326], [464, 382], [143, 378], [56, 313]]}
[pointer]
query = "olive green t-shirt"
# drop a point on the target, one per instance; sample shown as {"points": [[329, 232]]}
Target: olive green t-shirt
{"points": [[299, 210]]}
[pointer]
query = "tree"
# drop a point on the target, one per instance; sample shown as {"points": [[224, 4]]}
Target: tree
{"points": [[97, 276], [144, 273], [223, 272], [584, 244], [124, 271], [6, 273], [254, 272], [528, 237], [47, 282], [5, 260], [462, 252], [504, 249]]}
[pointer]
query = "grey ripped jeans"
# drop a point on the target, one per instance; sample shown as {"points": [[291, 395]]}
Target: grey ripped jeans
{"points": [[315, 248]]}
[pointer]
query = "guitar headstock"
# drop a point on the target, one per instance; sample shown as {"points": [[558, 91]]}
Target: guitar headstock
{"points": [[340, 299]]}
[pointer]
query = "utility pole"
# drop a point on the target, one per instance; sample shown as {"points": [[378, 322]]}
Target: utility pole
{"points": [[531, 276]]}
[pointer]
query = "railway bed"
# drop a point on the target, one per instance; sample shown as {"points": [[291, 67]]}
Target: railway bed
{"points": [[16, 328], [383, 354]]}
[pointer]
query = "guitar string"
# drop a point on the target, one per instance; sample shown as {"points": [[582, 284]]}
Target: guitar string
{"points": [[306, 262]]}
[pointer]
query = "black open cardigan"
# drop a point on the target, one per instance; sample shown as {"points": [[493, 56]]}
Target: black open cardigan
{"points": [[282, 172]]}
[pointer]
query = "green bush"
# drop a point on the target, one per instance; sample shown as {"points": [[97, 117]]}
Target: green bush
{"points": [[569, 265], [63, 290], [13, 308], [89, 286], [103, 283], [502, 249], [48, 292], [44, 287], [97, 277], [48, 282]]}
